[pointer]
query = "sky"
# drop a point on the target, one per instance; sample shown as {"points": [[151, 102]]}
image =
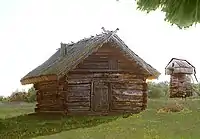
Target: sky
{"points": [[32, 30]]}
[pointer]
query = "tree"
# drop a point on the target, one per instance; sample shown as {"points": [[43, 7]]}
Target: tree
{"points": [[183, 13], [32, 95]]}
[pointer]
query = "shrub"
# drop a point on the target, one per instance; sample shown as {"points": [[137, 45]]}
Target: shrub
{"points": [[31, 95], [1, 98], [19, 96], [157, 90]]}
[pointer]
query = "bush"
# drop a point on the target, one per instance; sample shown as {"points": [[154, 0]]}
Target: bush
{"points": [[158, 90], [1, 98], [19, 96], [31, 95]]}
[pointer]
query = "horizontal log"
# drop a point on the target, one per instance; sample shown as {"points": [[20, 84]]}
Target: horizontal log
{"points": [[50, 104], [128, 81], [79, 81], [127, 92], [129, 76], [47, 82], [87, 63], [50, 92], [78, 98], [130, 67], [74, 75], [48, 88], [107, 79], [84, 68], [78, 104], [86, 71], [48, 97], [81, 76], [127, 86], [79, 86], [46, 85], [97, 60], [79, 93], [51, 89], [126, 98], [98, 65], [78, 109]]}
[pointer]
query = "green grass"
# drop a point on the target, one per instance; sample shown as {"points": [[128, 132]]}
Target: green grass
{"points": [[146, 125]]}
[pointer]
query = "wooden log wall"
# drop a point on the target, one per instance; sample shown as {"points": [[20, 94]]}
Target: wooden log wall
{"points": [[127, 92], [78, 99], [179, 86], [108, 58], [48, 97]]}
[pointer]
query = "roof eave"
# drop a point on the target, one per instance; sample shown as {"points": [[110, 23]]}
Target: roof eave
{"points": [[36, 79]]}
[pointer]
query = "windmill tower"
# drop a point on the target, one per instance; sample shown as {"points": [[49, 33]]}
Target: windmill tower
{"points": [[180, 72]]}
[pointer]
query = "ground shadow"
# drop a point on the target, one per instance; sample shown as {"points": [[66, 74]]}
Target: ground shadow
{"points": [[33, 125]]}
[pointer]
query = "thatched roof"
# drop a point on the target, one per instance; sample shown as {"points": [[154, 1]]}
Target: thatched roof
{"points": [[179, 66], [76, 52]]}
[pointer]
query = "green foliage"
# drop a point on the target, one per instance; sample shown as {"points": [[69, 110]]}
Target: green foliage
{"points": [[22, 96], [183, 13], [196, 89], [18, 97], [31, 97], [158, 90], [1, 98]]}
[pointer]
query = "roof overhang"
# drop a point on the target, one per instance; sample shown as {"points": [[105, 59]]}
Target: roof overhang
{"points": [[37, 79], [154, 77]]}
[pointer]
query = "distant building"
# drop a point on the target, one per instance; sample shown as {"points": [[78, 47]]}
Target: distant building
{"points": [[180, 72]]}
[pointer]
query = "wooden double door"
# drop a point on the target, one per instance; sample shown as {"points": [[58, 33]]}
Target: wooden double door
{"points": [[101, 96]]}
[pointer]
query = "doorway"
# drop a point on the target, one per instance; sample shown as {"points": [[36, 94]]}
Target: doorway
{"points": [[101, 96]]}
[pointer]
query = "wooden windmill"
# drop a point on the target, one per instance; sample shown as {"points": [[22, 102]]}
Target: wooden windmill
{"points": [[180, 72]]}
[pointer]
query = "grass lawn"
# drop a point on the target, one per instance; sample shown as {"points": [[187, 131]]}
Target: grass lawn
{"points": [[146, 125]]}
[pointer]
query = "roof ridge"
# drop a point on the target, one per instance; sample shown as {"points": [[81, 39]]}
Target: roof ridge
{"points": [[86, 38]]}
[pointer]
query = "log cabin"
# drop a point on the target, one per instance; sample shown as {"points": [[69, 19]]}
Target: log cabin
{"points": [[94, 76], [180, 72]]}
